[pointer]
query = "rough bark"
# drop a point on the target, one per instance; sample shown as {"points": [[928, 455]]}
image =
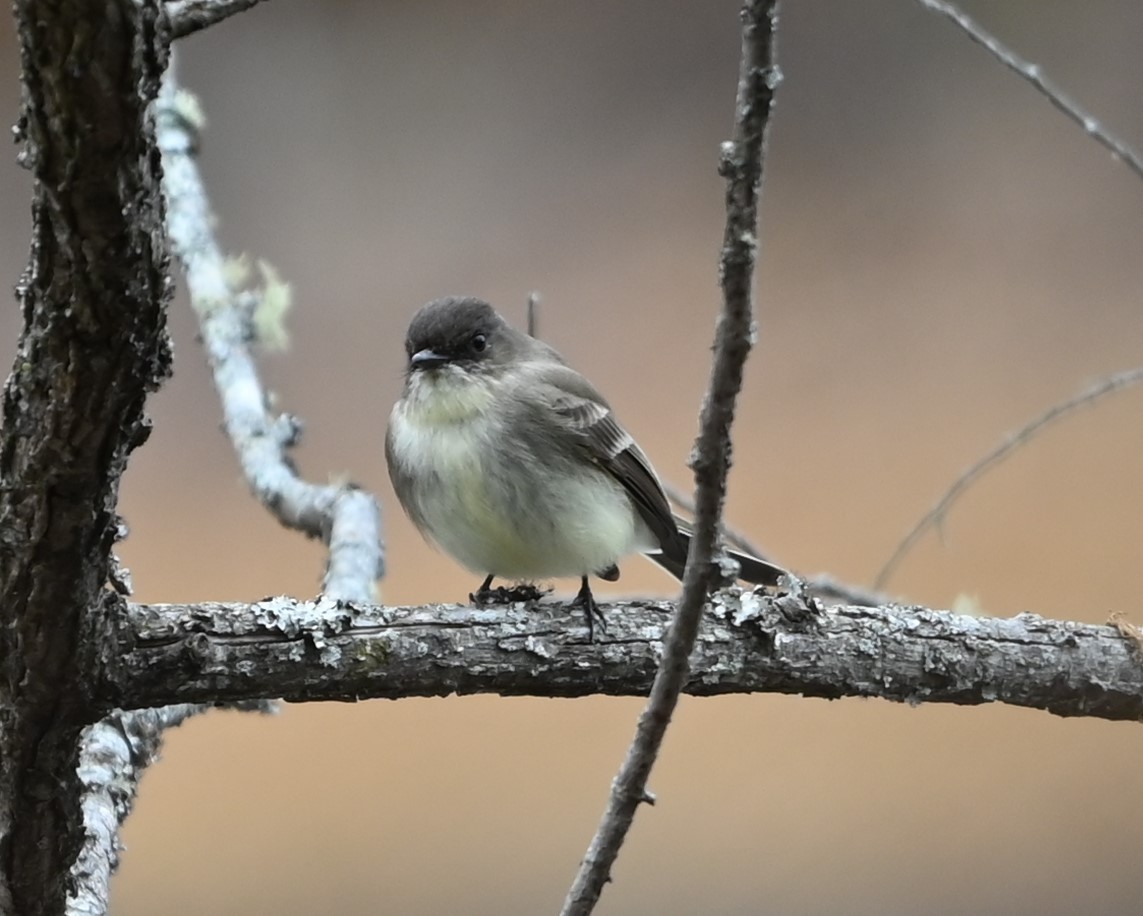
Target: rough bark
{"points": [[94, 343], [747, 643]]}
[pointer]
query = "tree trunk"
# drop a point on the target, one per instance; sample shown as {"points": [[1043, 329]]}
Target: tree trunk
{"points": [[94, 344]]}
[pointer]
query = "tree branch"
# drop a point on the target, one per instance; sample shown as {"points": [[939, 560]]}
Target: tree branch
{"points": [[114, 753], [742, 167], [747, 643], [935, 516], [189, 16], [345, 517], [1034, 75]]}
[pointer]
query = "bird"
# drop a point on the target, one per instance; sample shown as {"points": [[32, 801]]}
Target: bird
{"points": [[511, 462]]}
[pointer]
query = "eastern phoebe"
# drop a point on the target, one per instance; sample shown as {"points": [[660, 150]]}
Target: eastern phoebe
{"points": [[512, 463]]}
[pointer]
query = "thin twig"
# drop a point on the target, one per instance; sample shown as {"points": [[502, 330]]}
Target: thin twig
{"points": [[742, 167], [189, 16], [343, 516], [1032, 73], [935, 516], [533, 314]]}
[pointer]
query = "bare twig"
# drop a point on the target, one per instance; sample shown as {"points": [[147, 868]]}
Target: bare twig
{"points": [[747, 643], [935, 516], [345, 517], [533, 314], [1032, 73], [189, 16], [742, 167]]}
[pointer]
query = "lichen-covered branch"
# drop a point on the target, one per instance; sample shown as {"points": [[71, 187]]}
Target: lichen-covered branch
{"points": [[93, 345], [116, 750], [746, 643], [114, 753], [345, 517]]}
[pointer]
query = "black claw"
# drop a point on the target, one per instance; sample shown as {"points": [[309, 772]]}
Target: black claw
{"points": [[586, 600], [484, 594]]}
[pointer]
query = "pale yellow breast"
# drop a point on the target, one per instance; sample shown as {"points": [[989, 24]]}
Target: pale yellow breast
{"points": [[565, 528]]}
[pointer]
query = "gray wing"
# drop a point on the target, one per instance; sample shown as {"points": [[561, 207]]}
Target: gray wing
{"points": [[588, 418]]}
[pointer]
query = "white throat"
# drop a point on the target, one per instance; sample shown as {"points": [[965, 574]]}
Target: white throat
{"points": [[446, 396]]}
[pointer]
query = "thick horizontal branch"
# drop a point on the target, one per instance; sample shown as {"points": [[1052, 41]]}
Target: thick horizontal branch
{"points": [[747, 643]]}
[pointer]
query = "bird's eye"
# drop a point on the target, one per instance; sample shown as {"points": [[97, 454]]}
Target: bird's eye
{"points": [[479, 343]]}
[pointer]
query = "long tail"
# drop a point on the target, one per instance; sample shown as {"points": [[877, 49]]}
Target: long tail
{"points": [[752, 569]]}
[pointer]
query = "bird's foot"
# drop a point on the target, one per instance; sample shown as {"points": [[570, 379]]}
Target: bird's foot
{"points": [[486, 594], [586, 600]]}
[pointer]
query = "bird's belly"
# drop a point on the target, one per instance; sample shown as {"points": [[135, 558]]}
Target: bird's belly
{"points": [[496, 510]]}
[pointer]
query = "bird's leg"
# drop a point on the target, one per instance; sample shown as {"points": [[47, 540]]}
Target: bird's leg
{"points": [[586, 600], [484, 594]]}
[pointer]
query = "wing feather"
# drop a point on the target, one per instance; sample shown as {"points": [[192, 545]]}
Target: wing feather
{"points": [[587, 416]]}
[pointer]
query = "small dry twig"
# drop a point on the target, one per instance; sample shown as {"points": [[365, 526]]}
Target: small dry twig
{"points": [[1032, 73], [1013, 441]]}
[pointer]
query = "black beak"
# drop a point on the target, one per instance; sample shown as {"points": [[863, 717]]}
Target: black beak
{"points": [[427, 359]]}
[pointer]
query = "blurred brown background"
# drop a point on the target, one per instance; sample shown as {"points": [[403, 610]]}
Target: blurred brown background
{"points": [[943, 256]]}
